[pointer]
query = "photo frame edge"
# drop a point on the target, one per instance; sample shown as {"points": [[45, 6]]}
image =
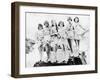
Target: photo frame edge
{"points": [[15, 41]]}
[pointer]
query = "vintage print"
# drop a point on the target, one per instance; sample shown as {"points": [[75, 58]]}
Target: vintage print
{"points": [[57, 39]]}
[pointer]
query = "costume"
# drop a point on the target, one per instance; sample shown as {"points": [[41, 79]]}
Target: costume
{"points": [[70, 31], [70, 36], [60, 54], [39, 42], [78, 30], [52, 52]]}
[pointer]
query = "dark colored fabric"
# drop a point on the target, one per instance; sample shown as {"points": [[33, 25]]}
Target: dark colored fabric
{"points": [[70, 44]]}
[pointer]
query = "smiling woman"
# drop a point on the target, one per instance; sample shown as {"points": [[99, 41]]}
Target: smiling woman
{"points": [[51, 39]]}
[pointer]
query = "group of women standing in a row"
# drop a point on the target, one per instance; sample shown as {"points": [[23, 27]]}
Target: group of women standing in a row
{"points": [[59, 41]]}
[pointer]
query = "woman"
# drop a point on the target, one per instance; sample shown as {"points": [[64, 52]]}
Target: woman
{"points": [[47, 37], [70, 34], [53, 49], [61, 30], [54, 28], [60, 53], [79, 31], [39, 41], [46, 28]]}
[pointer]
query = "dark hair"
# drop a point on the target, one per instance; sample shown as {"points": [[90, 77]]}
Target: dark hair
{"points": [[75, 19], [69, 18], [61, 22], [46, 22], [40, 26]]}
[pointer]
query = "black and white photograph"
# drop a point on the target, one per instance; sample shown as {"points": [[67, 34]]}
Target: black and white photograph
{"points": [[54, 39]]}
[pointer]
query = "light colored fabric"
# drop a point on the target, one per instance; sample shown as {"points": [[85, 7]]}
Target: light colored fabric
{"points": [[78, 31]]}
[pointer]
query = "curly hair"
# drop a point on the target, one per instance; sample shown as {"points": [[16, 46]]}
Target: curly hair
{"points": [[75, 19]]}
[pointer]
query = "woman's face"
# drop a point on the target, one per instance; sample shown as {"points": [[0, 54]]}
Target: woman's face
{"points": [[70, 21], [40, 27], [76, 20], [46, 25], [61, 24], [53, 24]]}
